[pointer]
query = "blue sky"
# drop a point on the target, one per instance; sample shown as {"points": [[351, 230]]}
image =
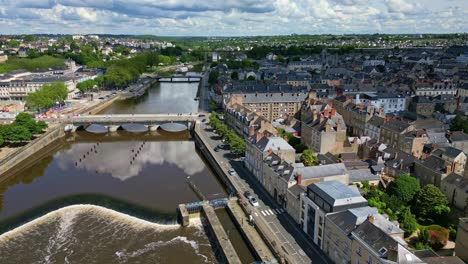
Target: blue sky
{"points": [[232, 18]]}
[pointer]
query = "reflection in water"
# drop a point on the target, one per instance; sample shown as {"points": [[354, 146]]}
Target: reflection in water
{"points": [[143, 169], [130, 158]]}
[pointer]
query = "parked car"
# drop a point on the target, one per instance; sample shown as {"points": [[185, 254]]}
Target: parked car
{"points": [[204, 120], [216, 149], [221, 146], [201, 115], [254, 202], [232, 172], [248, 195]]}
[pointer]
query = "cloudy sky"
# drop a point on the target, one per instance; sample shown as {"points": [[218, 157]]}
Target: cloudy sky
{"points": [[232, 17]]}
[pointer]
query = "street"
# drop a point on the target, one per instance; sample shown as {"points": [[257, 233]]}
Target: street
{"points": [[295, 245]]}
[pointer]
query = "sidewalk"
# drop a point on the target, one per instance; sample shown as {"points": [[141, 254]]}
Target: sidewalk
{"points": [[255, 239]]}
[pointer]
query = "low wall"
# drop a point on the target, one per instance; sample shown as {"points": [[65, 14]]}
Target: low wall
{"points": [[25, 156]]}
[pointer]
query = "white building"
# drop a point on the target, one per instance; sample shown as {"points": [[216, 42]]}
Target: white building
{"points": [[389, 103], [323, 198]]}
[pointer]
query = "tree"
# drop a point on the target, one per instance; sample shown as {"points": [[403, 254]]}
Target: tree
{"points": [[213, 78], [47, 95], [25, 120], [86, 85], [408, 221], [308, 157], [1, 140], [459, 123], [15, 133], [235, 75], [429, 202], [404, 187], [438, 236], [212, 105]]}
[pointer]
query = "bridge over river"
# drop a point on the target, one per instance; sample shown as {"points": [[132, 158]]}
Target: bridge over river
{"points": [[172, 122]]}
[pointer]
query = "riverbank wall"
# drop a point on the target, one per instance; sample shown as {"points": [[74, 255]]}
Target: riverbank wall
{"points": [[25, 155], [256, 240]]}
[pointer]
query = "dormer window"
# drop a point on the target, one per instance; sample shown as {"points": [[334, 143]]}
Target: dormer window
{"points": [[383, 251]]}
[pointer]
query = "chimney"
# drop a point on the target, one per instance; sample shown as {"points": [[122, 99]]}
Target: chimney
{"points": [[333, 112], [270, 150], [322, 118], [330, 104], [371, 219], [381, 111], [314, 114], [325, 113], [259, 136], [299, 179], [371, 111], [251, 131]]}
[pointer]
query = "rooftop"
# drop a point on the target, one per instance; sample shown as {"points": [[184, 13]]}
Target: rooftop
{"points": [[336, 193]]}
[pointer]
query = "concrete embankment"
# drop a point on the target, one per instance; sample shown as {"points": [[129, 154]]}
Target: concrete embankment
{"points": [[25, 156], [261, 249], [253, 239], [221, 237]]}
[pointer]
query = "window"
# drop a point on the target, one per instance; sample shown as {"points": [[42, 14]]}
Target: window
{"points": [[359, 251]]}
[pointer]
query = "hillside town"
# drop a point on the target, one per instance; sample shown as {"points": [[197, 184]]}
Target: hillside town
{"points": [[365, 148], [375, 121]]}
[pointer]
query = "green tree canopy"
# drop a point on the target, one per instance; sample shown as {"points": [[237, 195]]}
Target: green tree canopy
{"points": [[430, 202], [408, 221], [47, 95], [309, 158], [404, 187], [15, 133], [25, 120], [213, 78], [459, 123], [86, 85]]}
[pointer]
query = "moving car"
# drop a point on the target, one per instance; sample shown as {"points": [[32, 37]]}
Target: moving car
{"points": [[254, 202]]}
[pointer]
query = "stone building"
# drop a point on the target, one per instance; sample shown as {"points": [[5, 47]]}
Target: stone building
{"points": [[324, 130], [270, 100], [461, 245], [455, 188], [245, 122]]}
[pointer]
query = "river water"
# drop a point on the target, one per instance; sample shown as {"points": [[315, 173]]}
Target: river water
{"points": [[111, 198]]}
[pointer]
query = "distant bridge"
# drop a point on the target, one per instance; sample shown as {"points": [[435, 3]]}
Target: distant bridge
{"points": [[180, 79], [133, 123]]}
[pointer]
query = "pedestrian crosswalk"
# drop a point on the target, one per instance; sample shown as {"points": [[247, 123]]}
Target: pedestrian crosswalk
{"points": [[274, 211]]}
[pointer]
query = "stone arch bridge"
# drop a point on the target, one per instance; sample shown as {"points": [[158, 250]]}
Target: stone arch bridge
{"points": [[140, 122]]}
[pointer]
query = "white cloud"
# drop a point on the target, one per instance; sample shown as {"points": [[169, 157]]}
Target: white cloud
{"points": [[232, 17]]}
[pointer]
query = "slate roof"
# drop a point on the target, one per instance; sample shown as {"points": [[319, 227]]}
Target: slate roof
{"points": [[360, 175], [348, 220], [322, 171], [336, 193], [396, 125], [434, 163], [275, 143], [458, 180], [458, 136], [452, 152], [376, 121]]}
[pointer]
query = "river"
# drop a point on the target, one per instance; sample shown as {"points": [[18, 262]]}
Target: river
{"points": [[111, 198]]}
